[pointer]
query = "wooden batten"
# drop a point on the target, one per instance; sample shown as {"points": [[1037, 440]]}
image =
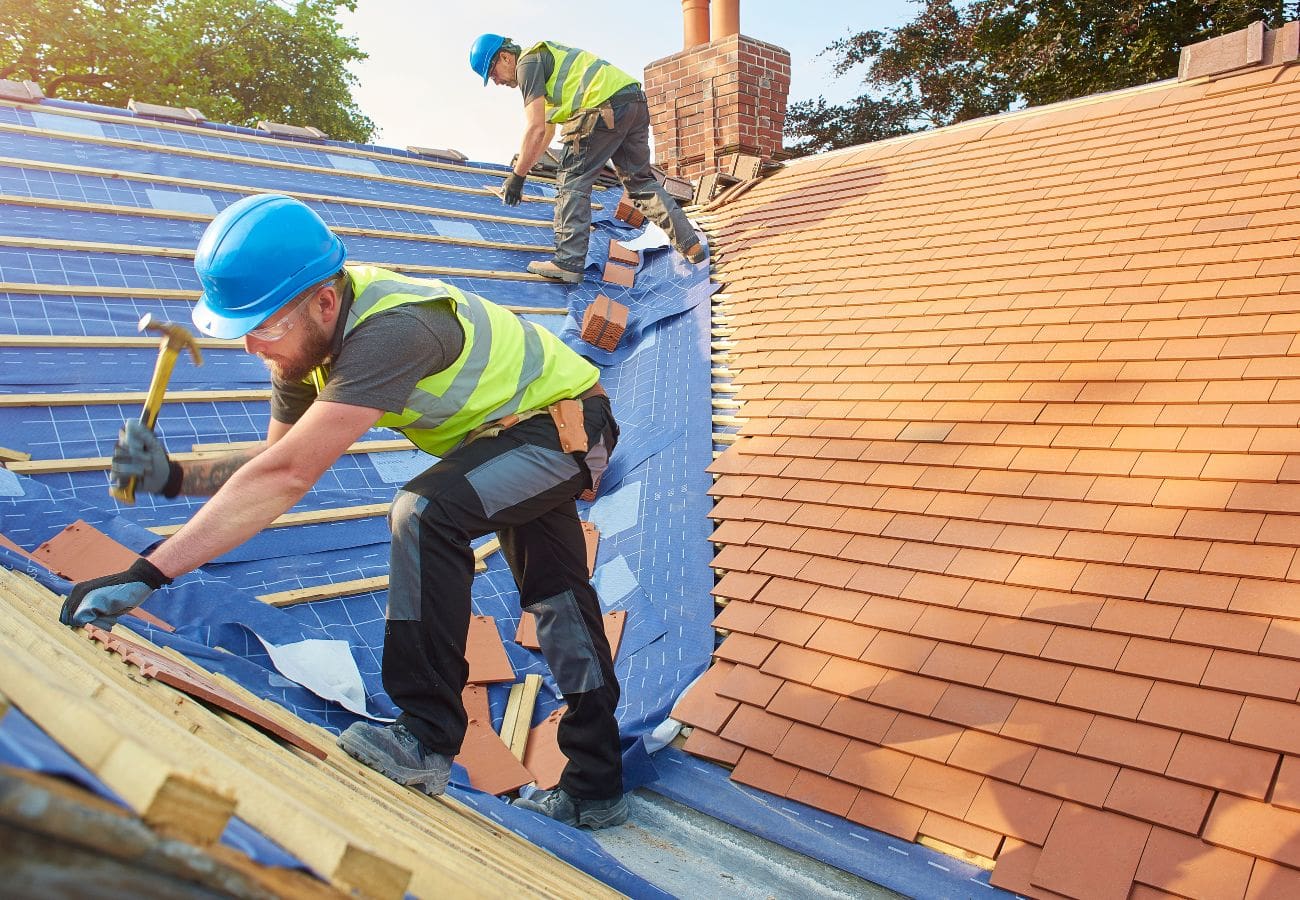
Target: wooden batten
{"points": [[368, 835]]}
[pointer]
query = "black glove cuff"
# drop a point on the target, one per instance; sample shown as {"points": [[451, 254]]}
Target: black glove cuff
{"points": [[175, 476], [147, 572]]}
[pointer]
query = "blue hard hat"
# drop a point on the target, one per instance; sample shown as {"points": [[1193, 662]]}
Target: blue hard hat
{"points": [[483, 51], [256, 256]]}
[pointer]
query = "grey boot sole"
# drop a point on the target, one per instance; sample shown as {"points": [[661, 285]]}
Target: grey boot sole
{"points": [[420, 779], [603, 818]]}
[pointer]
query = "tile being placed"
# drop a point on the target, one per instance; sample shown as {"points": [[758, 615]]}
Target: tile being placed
{"points": [[81, 551]]}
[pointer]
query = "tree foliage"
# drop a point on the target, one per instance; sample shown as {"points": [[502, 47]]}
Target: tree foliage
{"points": [[960, 60], [238, 61]]}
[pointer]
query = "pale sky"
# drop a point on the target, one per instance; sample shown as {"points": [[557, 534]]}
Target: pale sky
{"points": [[419, 90]]}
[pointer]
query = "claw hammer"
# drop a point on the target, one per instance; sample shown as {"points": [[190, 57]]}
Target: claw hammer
{"points": [[175, 338]]}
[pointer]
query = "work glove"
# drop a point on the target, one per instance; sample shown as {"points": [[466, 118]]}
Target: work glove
{"points": [[140, 455], [512, 189], [100, 601]]}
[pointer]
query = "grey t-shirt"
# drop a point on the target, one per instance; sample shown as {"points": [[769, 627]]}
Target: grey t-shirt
{"points": [[379, 362], [532, 71]]}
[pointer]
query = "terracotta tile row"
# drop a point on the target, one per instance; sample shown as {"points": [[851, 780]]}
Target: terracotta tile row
{"points": [[1008, 546], [996, 545]]}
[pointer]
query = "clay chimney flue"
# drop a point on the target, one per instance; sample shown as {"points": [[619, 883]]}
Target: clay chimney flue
{"points": [[695, 23], [726, 18]]}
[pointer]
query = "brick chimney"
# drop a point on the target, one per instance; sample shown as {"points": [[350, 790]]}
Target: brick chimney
{"points": [[719, 97]]}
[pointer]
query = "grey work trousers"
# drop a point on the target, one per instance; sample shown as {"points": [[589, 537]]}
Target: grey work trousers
{"points": [[522, 485], [627, 146]]}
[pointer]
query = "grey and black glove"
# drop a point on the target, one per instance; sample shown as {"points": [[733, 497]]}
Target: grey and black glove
{"points": [[100, 601], [512, 190], [140, 455]]}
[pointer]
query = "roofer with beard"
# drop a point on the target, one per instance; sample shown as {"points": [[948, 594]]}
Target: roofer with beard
{"points": [[489, 394]]}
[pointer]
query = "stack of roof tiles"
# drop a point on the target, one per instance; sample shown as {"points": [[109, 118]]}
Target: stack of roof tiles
{"points": [[1010, 536], [604, 322]]}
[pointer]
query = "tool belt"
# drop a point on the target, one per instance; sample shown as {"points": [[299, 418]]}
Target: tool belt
{"points": [[583, 122], [567, 415]]}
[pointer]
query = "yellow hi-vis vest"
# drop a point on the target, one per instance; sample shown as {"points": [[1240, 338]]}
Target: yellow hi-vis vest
{"points": [[508, 365], [579, 80]]}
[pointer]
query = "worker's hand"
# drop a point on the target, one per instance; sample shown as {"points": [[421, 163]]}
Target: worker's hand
{"points": [[512, 190], [100, 601], [140, 455]]}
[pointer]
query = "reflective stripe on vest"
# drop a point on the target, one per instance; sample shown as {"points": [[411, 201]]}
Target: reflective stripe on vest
{"points": [[579, 80], [507, 365]]}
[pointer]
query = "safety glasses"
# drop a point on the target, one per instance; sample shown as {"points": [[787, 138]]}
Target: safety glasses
{"points": [[278, 329]]}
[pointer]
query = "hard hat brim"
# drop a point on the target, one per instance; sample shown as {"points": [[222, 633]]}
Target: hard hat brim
{"points": [[221, 325]]}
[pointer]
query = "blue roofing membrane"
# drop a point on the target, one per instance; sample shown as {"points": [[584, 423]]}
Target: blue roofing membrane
{"points": [[163, 182]]}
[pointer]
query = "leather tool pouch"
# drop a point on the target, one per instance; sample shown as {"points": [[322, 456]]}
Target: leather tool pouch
{"points": [[579, 125], [567, 415]]}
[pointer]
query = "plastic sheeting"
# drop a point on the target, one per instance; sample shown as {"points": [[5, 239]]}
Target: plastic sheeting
{"points": [[654, 555]]}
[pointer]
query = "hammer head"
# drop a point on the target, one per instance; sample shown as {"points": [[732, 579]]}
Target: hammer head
{"points": [[176, 337]]}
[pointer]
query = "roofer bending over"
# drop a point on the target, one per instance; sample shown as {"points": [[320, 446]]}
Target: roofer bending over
{"points": [[604, 118], [353, 347]]}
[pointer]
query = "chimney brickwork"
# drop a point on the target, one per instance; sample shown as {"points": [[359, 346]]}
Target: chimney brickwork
{"points": [[715, 100]]}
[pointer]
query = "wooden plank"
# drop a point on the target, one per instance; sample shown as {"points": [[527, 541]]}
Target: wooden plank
{"points": [[523, 697], [482, 552], [450, 850], [510, 719], [335, 589], [79, 290], [159, 792], [182, 253], [7, 455], [83, 341], [90, 290], [142, 749], [310, 517], [98, 463], [130, 397], [326, 591]]}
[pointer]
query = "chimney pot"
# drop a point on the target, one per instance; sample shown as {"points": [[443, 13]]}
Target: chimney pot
{"points": [[726, 19], [695, 23]]}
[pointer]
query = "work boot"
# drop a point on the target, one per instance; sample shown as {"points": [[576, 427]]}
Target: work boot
{"points": [[548, 269], [398, 754], [696, 253], [562, 807]]}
